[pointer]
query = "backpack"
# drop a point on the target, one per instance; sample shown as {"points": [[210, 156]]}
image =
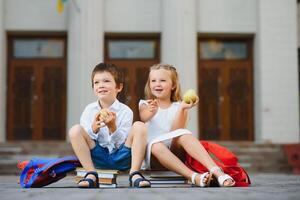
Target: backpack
{"points": [[39, 172], [225, 159]]}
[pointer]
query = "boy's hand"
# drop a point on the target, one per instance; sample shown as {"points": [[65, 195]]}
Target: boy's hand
{"points": [[185, 105], [152, 105], [110, 121], [97, 123]]}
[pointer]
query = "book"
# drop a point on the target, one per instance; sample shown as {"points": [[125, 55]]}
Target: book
{"points": [[165, 174], [163, 181], [166, 177], [107, 185], [101, 180], [102, 173]]}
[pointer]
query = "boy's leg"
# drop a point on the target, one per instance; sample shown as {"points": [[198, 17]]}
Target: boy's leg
{"points": [[81, 144], [137, 141], [195, 149]]}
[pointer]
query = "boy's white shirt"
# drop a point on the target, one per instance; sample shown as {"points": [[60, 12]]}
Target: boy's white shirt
{"points": [[124, 118]]}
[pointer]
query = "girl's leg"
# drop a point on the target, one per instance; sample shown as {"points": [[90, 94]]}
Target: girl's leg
{"points": [[195, 149], [81, 144], [172, 162], [137, 141]]}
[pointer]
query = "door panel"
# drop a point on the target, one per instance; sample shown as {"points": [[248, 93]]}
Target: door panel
{"points": [[240, 98], [209, 102], [53, 94], [21, 116]]}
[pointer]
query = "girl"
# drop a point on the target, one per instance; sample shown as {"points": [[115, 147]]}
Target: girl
{"points": [[166, 117]]}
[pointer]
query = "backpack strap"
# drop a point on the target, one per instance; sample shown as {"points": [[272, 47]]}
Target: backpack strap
{"points": [[27, 177]]}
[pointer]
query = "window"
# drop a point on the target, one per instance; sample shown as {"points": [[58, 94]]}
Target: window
{"points": [[38, 48], [223, 50], [131, 49]]}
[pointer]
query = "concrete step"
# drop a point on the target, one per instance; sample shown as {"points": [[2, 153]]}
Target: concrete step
{"points": [[11, 153], [253, 157]]}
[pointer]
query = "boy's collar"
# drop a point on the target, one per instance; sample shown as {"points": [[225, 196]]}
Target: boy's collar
{"points": [[113, 106]]}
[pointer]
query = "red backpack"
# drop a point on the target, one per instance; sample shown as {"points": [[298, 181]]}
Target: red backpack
{"points": [[225, 159]]}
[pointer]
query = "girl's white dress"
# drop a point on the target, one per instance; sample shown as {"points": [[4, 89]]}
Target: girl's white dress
{"points": [[159, 129]]}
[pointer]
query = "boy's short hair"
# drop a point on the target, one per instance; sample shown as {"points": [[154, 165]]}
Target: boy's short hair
{"points": [[112, 69]]}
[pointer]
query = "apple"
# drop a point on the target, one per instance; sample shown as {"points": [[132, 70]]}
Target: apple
{"points": [[190, 96], [103, 114]]}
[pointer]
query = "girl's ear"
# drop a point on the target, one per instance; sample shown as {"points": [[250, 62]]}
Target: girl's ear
{"points": [[173, 87]]}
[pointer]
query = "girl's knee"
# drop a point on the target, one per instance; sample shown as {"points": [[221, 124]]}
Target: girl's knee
{"points": [[139, 128], [158, 148], [185, 137], [139, 125]]}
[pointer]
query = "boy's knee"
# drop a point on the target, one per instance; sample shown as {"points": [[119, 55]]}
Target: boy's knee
{"points": [[75, 131], [158, 148]]}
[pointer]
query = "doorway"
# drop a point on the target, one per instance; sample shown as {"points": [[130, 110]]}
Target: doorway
{"points": [[36, 94], [134, 54], [225, 82]]}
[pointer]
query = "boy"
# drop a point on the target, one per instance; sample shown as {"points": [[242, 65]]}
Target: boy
{"points": [[104, 138]]}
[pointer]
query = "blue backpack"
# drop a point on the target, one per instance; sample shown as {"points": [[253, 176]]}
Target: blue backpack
{"points": [[39, 172]]}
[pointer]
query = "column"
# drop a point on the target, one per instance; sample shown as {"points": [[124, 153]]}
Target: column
{"points": [[179, 45], [85, 50], [276, 72], [2, 75]]}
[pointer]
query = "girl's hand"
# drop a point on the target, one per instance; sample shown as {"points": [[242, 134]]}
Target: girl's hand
{"points": [[185, 105], [152, 105], [97, 123]]}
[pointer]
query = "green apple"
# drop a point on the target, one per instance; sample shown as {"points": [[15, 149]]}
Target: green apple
{"points": [[190, 96]]}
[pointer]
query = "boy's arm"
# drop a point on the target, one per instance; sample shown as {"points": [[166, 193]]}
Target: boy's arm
{"points": [[122, 128], [86, 121]]}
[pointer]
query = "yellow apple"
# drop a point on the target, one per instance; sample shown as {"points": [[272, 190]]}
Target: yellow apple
{"points": [[190, 96], [103, 114]]}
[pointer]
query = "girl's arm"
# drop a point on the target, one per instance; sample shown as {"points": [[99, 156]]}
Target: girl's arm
{"points": [[180, 120], [181, 117], [147, 111]]}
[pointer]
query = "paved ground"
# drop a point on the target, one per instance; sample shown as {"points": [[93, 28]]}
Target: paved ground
{"points": [[265, 186]]}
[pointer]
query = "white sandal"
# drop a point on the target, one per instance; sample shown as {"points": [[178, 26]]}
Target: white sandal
{"points": [[222, 178], [202, 176]]}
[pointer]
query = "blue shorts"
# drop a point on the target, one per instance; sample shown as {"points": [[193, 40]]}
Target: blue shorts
{"points": [[120, 159]]}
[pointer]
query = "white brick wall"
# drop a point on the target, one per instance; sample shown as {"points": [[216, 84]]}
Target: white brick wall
{"points": [[132, 16], [276, 72], [2, 75], [298, 20], [34, 15], [226, 16]]}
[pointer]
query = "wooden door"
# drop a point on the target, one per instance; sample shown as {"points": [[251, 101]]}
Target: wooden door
{"points": [[134, 55], [225, 89], [36, 95]]}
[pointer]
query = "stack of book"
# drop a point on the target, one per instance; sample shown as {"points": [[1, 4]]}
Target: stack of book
{"points": [[160, 178], [107, 178]]}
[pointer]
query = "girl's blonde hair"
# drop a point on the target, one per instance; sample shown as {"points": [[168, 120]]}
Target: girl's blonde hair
{"points": [[176, 91]]}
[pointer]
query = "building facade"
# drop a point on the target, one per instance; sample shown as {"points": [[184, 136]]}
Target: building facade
{"points": [[241, 57]]}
